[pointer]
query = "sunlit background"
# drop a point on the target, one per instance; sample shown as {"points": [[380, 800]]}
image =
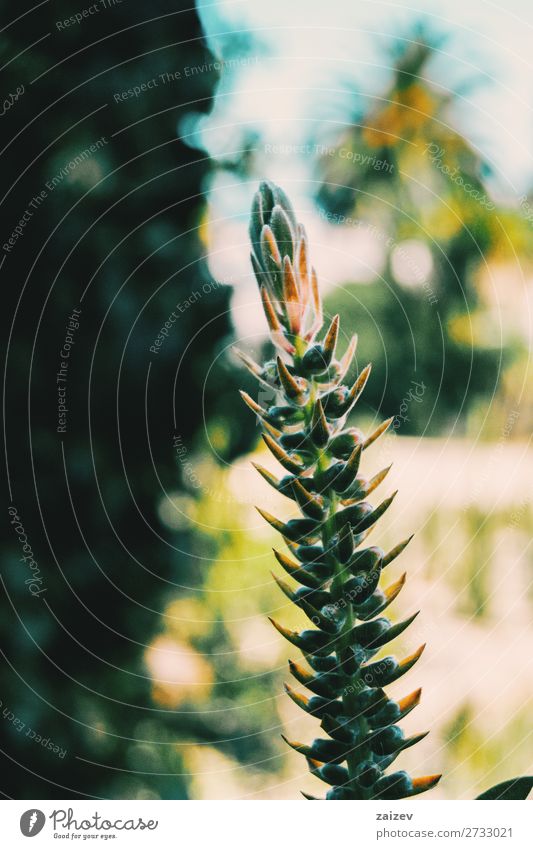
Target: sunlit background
{"points": [[403, 134]]}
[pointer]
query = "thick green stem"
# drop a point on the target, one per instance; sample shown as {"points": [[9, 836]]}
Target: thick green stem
{"points": [[349, 695], [313, 397], [328, 532]]}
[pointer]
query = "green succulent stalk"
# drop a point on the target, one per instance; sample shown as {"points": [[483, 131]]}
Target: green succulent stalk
{"points": [[338, 576]]}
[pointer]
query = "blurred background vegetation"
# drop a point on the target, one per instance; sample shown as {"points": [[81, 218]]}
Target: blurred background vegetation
{"points": [[149, 658]]}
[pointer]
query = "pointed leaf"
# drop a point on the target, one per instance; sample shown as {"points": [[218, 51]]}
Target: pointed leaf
{"points": [[290, 385], [270, 253], [292, 464], [374, 482], [382, 599], [319, 426], [296, 571], [357, 389], [268, 476], [283, 231], [349, 472], [312, 506], [408, 703], [270, 313], [291, 298], [377, 433], [514, 788], [301, 265], [426, 782], [330, 340], [396, 551], [346, 360]]}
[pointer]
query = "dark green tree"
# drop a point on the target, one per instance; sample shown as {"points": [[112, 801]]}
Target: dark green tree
{"points": [[102, 199]]}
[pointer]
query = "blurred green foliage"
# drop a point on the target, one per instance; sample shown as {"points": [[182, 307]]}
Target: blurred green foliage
{"points": [[401, 170]]}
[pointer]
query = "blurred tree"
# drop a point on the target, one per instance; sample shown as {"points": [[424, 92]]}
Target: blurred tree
{"points": [[402, 171], [103, 203]]}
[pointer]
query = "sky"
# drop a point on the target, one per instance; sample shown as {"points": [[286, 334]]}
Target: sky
{"points": [[308, 49]]}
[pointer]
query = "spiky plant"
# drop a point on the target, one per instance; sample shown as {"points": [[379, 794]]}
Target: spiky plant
{"points": [[338, 575]]}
